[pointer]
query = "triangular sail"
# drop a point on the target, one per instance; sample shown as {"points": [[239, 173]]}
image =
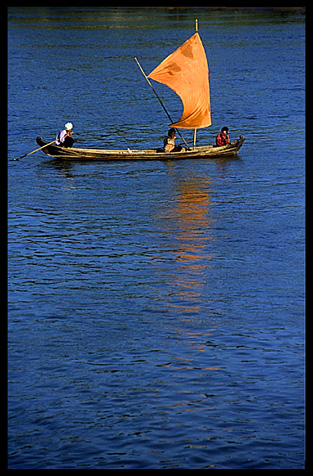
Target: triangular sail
{"points": [[186, 72]]}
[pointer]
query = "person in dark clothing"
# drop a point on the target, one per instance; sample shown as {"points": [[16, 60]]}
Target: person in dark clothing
{"points": [[223, 137]]}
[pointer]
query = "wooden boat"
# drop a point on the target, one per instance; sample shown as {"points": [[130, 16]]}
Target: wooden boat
{"points": [[210, 152], [186, 72]]}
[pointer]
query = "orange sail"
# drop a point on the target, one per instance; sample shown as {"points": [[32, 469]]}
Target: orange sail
{"points": [[186, 72]]}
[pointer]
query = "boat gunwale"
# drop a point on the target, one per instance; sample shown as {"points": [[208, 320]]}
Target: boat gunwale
{"points": [[137, 154]]}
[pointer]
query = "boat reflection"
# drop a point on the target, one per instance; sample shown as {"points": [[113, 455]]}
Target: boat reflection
{"points": [[187, 245]]}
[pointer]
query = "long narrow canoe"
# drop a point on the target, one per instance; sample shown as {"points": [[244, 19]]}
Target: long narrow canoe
{"points": [[210, 152]]}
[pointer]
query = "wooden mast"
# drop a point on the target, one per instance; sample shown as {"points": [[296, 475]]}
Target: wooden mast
{"points": [[195, 131], [194, 138]]}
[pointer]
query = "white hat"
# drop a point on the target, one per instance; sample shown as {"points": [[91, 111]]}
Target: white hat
{"points": [[68, 126]]}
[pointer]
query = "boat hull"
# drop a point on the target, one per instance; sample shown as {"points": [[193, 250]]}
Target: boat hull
{"points": [[149, 154]]}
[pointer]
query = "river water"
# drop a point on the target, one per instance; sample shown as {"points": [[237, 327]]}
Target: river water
{"points": [[156, 309]]}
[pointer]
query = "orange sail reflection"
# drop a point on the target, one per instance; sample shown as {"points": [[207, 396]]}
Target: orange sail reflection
{"points": [[187, 227], [194, 221]]}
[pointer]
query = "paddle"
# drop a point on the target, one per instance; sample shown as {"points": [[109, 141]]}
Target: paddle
{"points": [[36, 150]]}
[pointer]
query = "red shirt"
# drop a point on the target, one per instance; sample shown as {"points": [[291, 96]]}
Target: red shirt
{"points": [[222, 139]]}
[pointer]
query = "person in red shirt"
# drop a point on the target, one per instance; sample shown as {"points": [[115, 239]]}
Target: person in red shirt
{"points": [[223, 137]]}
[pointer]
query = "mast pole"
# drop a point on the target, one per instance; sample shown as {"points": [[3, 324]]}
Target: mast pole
{"points": [[160, 100], [195, 131]]}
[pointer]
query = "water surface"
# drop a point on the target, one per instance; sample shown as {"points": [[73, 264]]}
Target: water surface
{"points": [[156, 309]]}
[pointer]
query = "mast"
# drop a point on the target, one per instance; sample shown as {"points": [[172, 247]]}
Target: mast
{"points": [[194, 138], [195, 131]]}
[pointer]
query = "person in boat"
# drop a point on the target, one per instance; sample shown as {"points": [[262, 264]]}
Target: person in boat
{"points": [[64, 138], [223, 137], [169, 142]]}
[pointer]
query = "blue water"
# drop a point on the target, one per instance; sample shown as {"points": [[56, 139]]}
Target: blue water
{"points": [[156, 309]]}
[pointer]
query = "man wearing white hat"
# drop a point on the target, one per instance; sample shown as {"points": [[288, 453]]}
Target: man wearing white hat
{"points": [[64, 138]]}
